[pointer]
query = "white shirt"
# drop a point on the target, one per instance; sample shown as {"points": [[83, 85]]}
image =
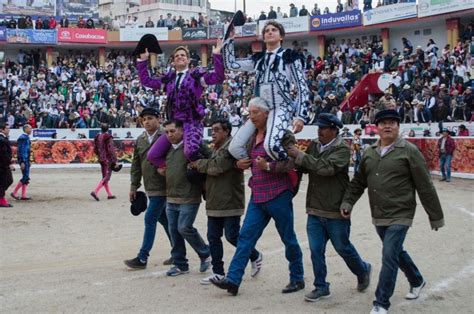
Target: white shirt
{"points": [[386, 149], [150, 137], [325, 147], [182, 76], [176, 146]]}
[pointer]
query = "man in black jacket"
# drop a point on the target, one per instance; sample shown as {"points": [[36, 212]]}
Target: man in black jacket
{"points": [[6, 178]]}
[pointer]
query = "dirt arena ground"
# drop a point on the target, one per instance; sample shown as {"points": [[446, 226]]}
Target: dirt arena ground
{"points": [[64, 252]]}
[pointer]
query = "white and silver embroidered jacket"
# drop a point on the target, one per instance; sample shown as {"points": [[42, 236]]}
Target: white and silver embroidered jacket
{"points": [[274, 79]]}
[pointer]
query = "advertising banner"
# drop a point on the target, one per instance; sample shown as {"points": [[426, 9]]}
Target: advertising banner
{"points": [[134, 34], [82, 35], [195, 33], [45, 133], [216, 31], [3, 33], [392, 12], [32, 36], [75, 8], [433, 7], [246, 30], [28, 7], [336, 20], [291, 25]]}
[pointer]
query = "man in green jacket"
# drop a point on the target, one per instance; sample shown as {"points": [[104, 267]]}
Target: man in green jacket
{"points": [[327, 163], [392, 170], [225, 200], [155, 187], [182, 205]]}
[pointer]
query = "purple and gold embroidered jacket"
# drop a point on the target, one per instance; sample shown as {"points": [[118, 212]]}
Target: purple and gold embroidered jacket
{"points": [[184, 104]]}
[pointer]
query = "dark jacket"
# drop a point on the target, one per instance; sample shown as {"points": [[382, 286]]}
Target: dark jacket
{"points": [[449, 146], [179, 190], [155, 184], [328, 177], [225, 190], [5, 152], [24, 149], [391, 181]]}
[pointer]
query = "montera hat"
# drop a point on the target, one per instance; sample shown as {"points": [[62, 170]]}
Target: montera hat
{"points": [[237, 20], [139, 204], [148, 41]]}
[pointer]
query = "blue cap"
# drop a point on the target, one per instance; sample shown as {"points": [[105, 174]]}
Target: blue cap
{"points": [[328, 120]]}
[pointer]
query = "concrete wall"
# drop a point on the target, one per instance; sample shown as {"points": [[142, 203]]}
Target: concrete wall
{"points": [[420, 36]]}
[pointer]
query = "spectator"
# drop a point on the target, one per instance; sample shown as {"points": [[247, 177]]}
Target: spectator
{"points": [[262, 16], [304, 11], [326, 11], [339, 7], [316, 10], [161, 22], [81, 23], [64, 22], [279, 14], [272, 14], [52, 23], [39, 23], [367, 5], [149, 23], [463, 131], [29, 22], [293, 10]]}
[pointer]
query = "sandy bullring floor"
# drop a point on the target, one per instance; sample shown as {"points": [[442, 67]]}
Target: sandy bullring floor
{"points": [[63, 252]]}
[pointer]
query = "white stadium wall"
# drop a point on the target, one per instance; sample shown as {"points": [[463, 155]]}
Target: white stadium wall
{"points": [[419, 36]]}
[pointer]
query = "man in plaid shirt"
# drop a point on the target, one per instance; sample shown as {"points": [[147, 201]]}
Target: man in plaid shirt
{"points": [[272, 193]]}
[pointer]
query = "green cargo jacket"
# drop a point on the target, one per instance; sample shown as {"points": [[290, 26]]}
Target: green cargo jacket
{"points": [[225, 190], [328, 177], [155, 184], [392, 181], [178, 188]]}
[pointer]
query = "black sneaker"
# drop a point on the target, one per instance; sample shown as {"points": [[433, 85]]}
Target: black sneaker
{"points": [[364, 281], [317, 294], [135, 263]]}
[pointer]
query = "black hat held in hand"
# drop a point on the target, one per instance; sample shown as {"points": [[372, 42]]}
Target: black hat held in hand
{"points": [[148, 41], [237, 20], [139, 204]]}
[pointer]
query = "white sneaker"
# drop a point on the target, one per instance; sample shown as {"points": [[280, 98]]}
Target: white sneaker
{"points": [[256, 265], [207, 280], [415, 292], [378, 310]]}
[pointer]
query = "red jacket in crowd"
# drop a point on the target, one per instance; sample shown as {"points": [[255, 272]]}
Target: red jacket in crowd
{"points": [[449, 146], [52, 23]]}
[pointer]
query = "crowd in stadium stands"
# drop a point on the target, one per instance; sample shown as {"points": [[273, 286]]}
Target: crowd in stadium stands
{"points": [[26, 22], [172, 21], [428, 84]]}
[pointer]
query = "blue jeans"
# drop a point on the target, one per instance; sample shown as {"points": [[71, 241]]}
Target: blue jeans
{"points": [[156, 211], [393, 257], [25, 173], [230, 226], [445, 165], [257, 218], [320, 230], [180, 224]]}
